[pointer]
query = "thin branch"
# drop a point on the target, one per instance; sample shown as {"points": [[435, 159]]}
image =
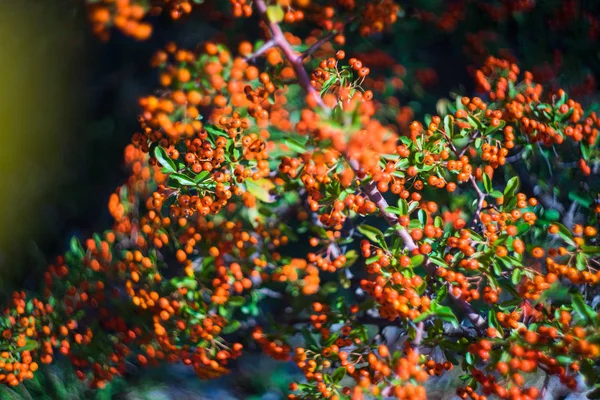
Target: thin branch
{"points": [[269, 44], [420, 331], [317, 45], [376, 197], [294, 59], [464, 150], [481, 199], [515, 157]]}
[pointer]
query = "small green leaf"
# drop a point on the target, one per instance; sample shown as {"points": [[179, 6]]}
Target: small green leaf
{"points": [[585, 151], [448, 126], [394, 210], [487, 183], [581, 199], [412, 206], [586, 312], [29, 345], [260, 189], [373, 234], [232, 327], [237, 301], [469, 358], [512, 186], [438, 261], [164, 160], [76, 248], [581, 262], [183, 179], [516, 276], [417, 260], [422, 217], [591, 249], [565, 233], [446, 314], [338, 374], [403, 206], [202, 176], [295, 146], [423, 316]]}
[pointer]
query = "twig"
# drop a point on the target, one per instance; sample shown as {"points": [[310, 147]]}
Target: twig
{"points": [[516, 156], [481, 199], [294, 59], [464, 150], [317, 45], [420, 331], [269, 44]]}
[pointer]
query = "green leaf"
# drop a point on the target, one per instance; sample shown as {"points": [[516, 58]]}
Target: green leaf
{"points": [[330, 287], [417, 260], [338, 374], [295, 146], [237, 301], [232, 327], [581, 262], [351, 257], [29, 345], [591, 249], [164, 160], [585, 151], [260, 189], [412, 206], [469, 358], [552, 214], [512, 186], [446, 314], [403, 206], [373, 234], [586, 312], [183, 179], [76, 248], [581, 199], [422, 217], [564, 360], [423, 316], [448, 126], [394, 210], [493, 321], [202, 176], [565, 233], [516, 276], [438, 261], [487, 183]]}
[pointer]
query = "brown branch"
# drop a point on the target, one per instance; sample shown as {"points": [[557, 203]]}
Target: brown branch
{"points": [[294, 59], [480, 200], [464, 150], [262, 50], [420, 331], [317, 45]]}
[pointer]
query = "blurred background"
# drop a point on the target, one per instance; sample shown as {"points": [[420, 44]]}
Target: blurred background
{"points": [[68, 107]]}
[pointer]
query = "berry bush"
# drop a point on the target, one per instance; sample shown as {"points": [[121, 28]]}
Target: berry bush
{"points": [[285, 196]]}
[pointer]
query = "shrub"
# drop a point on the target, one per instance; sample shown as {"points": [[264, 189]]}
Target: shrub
{"points": [[280, 199]]}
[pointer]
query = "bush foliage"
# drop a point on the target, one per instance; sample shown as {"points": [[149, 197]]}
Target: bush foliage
{"points": [[282, 198]]}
